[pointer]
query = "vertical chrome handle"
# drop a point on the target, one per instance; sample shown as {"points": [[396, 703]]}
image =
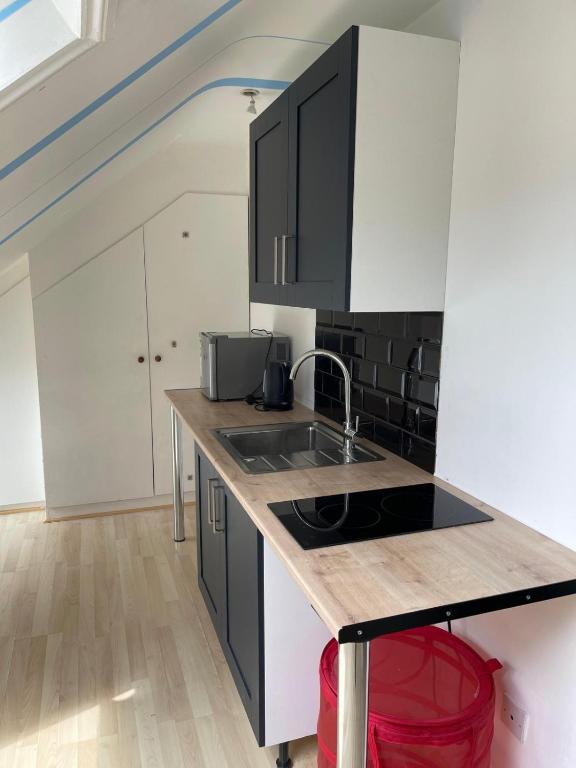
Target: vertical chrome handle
{"points": [[217, 518], [212, 483], [276, 260], [284, 238]]}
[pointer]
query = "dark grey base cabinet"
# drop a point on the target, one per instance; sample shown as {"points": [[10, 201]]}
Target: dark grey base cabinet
{"points": [[230, 579], [350, 177], [271, 638]]}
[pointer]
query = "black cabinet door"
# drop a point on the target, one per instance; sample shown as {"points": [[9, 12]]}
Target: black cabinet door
{"points": [[210, 538], [268, 206], [322, 108], [243, 640]]}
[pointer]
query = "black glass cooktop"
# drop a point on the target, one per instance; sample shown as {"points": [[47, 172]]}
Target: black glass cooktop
{"points": [[325, 521]]}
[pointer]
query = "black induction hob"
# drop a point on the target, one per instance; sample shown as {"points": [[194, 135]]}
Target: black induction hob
{"points": [[325, 521]]}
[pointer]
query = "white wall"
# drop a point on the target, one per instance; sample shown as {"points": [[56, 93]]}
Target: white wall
{"points": [[133, 199], [506, 419], [21, 476], [300, 325]]}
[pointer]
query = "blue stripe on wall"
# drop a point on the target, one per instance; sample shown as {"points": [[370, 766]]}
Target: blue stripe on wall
{"points": [[123, 84], [243, 82], [12, 8]]}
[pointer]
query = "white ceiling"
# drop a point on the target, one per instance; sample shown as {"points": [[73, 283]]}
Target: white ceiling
{"points": [[247, 39]]}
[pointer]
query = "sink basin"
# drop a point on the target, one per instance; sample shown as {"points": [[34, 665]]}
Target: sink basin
{"points": [[294, 445]]}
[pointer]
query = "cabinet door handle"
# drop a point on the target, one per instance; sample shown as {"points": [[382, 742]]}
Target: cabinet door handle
{"points": [[158, 358], [141, 358], [212, 483], [284, 239], [276, 260], [218, 518]]}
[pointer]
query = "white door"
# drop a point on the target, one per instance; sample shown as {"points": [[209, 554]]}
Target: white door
{"points": [[91, 330], [196, 280]]}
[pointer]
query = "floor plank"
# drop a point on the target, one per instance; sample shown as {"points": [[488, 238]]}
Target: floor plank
{"points": [[108, 658]]}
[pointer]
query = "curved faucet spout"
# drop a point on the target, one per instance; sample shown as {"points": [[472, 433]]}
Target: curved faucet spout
{"points": [[350, 429]]}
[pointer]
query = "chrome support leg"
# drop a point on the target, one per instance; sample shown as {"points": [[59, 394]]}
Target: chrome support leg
{"points": [[353, 665], [177, 477]]}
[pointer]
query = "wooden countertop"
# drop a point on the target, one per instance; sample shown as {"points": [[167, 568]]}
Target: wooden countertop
{"points": [[368, 588]]}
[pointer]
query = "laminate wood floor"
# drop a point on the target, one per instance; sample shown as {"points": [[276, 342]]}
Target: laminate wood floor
{"points": [[107, 655]]}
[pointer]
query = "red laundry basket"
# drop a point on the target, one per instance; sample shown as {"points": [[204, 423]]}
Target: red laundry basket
{"points": [[431, 702]]}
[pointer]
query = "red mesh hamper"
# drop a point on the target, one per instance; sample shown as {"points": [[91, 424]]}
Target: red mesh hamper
{"points": [[431, 702]]}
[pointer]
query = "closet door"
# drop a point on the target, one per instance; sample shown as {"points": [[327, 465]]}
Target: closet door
{"points": [[92, 350], [197, 280]]}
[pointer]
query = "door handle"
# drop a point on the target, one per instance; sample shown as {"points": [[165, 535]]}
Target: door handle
{"points": [[141, 358], [276, 238], [218, 521], [158, 358], [212, 482], [284, 239]]}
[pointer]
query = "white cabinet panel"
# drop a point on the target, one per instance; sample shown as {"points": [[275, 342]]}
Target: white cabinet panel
{"points": [[196, 280], [94, 394]]}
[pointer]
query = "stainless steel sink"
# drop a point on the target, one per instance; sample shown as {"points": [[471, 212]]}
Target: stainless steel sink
{"points": [[294, 445]]}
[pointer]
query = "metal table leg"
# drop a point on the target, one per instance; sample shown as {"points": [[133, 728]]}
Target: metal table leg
{"points": [[353, 665], [177, 477]]}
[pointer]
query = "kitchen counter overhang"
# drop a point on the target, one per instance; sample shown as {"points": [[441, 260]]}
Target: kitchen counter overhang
{"points": [[370, 588]]}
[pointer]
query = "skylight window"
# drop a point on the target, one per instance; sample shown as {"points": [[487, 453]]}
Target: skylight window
{"points": [[37, 37]]}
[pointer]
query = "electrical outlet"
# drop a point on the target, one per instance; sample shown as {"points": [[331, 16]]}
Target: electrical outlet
{"points": [[515, 718]]}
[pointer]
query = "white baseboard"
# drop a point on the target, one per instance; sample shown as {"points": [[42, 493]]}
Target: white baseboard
{"points": [[54, 514], [28, 506]]}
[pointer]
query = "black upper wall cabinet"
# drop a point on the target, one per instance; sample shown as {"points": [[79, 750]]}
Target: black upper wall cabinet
{"points": [[350, 177]]}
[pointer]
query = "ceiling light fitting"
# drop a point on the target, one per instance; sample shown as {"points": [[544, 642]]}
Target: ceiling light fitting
{"points": [[251, 93]]}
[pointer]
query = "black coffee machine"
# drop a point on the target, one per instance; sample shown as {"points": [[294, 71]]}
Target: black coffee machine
{"points": [[277, 388]]}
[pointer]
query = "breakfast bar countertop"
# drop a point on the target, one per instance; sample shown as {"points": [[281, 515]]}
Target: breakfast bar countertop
{"points": [[369, 588]]}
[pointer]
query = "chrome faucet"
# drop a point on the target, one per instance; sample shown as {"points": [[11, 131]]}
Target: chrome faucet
{"points": [[350, 428]]}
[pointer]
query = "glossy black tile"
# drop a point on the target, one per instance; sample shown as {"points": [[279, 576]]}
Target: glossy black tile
{"points": [[394, 361], [324, 317], [332, 386], [363, 372], [392, 323], [390, 379], [324, 364], [332, 342], [387, 436], [422, 389], [353, 345], [406, 355], [411, 418], [425, 326], [366, 322], [419, 452], [343, 320], [396, 411], [357, 397], [377, 349], [322, 404], [376, 403], [427, 424], [365, 423], [431, 361]]}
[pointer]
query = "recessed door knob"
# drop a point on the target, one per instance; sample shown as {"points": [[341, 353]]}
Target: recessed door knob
{"points": [[141, 359], [158, 358]]}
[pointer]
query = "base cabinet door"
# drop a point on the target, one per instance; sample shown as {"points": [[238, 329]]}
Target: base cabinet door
{"points": [[210, 538], [243, 634]]}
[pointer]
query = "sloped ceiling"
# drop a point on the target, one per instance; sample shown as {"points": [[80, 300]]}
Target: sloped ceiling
{"points": [[160, 58]]}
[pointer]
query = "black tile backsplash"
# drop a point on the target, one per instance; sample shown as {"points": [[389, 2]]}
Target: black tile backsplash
{"points": [[394, 361]]}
